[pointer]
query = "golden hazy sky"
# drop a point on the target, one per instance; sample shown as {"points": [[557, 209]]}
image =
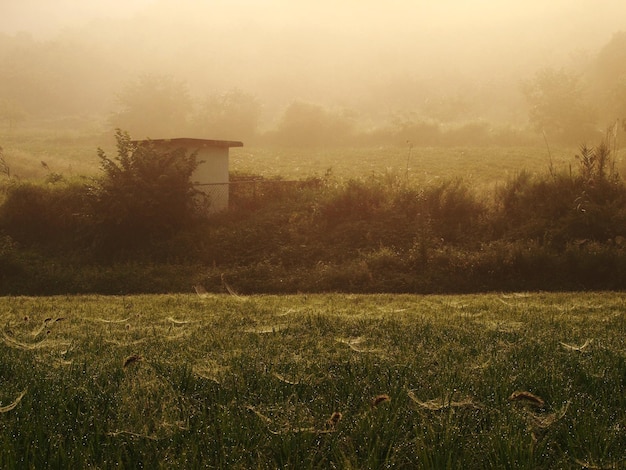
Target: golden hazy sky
{"points": [[481, 16], [335, 51]]}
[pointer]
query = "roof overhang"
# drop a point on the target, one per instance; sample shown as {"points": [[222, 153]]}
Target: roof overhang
{"points": [[185, 142]]}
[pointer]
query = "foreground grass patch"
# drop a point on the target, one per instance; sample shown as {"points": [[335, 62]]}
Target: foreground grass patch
{"points": [[485, 381]]}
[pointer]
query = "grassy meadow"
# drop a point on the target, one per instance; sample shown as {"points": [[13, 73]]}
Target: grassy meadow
{"points": [[481, 167], [73, 153], [526, 380]]}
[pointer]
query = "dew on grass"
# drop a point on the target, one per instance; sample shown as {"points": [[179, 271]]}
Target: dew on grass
{"points": [[115, 342], [285, 380], [265, 329], [44, 343], [209, 370], [104, 320], [443, 403]]}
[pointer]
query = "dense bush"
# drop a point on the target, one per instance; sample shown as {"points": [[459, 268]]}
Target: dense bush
{"points": [[53, 215], [453, 212], [550, 231], [560, 208], [143, 195]]}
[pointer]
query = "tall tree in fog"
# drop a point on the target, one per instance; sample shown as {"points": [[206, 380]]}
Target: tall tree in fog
{"points": [[231, 115], [154, 106], [11, 113], [559, 107], [311, 124], [609, 73]]}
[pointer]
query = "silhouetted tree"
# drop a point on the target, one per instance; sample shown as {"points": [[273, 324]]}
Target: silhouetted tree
{"points": [[231, 115], [609, 75], [310, 124], [11, 113], [154, 106], [558, 106]]}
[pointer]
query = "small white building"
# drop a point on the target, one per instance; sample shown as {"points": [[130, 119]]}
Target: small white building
{"points": [[211, 176]]}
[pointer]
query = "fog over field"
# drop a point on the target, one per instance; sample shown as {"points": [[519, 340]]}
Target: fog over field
{"points": [[371, 57]]}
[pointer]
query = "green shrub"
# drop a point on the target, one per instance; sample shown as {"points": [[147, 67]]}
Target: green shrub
{"points": [[356, 200], [453, 211], [558, 208], [534, 207], [9, 262], [138, 227], [143, 195], [47, 215], [253, 192]]}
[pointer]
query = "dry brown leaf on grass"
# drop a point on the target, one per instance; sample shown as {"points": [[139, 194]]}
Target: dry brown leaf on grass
{"points": [[135, 358], [379, 399], [571, 347], [9, 407], [334, 420], [527, 398], [285, 380]]}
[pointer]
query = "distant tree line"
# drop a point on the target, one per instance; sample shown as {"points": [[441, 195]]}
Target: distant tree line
{"points": [[564, 105]]}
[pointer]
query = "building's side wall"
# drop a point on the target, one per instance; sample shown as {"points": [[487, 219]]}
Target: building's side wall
{"points": [[211, 176]]}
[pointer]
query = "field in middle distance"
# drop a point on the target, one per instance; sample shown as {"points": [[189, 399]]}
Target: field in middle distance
{"points": [[481, 166], [75, 153]]}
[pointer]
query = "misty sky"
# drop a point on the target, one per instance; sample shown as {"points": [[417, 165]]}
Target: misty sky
{"points": [[582, 18], [331, 51], [46, 17]]}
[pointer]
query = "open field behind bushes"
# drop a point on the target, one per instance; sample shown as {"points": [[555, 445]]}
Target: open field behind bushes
{"points": [[313, 381], [483, 167], [74, 153]]}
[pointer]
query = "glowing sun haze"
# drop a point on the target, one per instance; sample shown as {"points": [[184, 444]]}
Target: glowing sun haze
{"points": [[355, 16], [336, 52]]}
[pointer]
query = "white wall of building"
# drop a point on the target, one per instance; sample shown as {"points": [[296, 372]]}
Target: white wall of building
{"points": [[212, 174]]}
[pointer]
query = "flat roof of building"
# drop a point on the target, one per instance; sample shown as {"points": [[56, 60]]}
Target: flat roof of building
{"points": [[189, 142]]}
